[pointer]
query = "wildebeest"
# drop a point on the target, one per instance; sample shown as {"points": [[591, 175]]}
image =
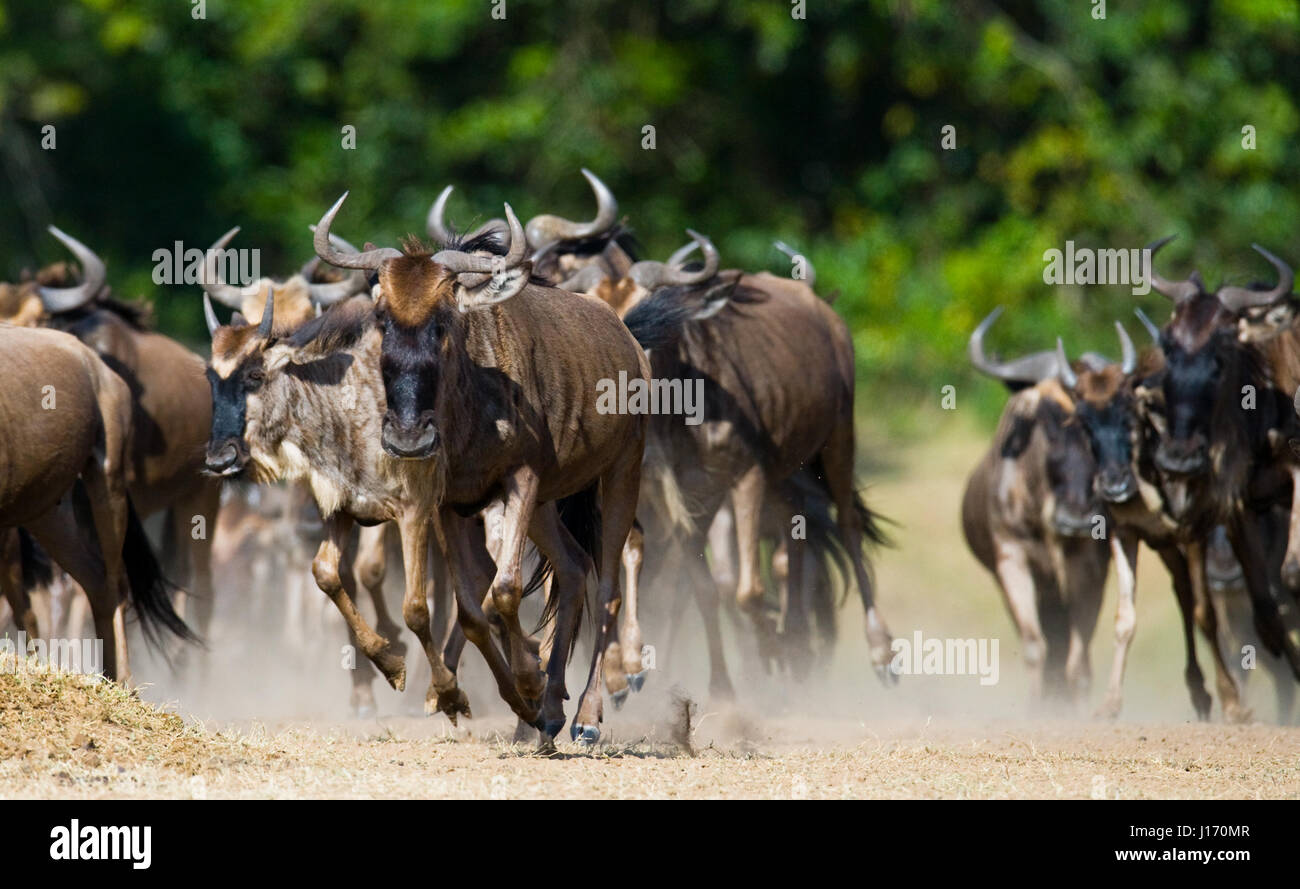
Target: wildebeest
{"points": [[1216, 455], [170, 416], [64, 462], [490, 382], [1028, 514]]}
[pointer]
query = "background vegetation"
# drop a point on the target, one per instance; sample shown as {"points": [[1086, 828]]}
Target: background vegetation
{"points": [[823, 131]]}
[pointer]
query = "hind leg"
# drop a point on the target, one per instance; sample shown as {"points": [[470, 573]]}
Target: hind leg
{"points": [[11, 584], [443, 693], [837, 464], [1124, 552], [1017, 582], [747, 503], [372, 567], [619, 488], [633, 556], [1206, 616], [571, 566], [1176, 564]]}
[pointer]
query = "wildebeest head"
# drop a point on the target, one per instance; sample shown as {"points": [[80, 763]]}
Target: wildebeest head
{"points": [[1263, 312], [1203, 360], [1105, 406], [297, 299], [420, 303], [236, 372], [645, 277], [1043, 406]]}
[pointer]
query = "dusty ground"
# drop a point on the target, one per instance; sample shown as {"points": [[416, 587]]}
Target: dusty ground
{"points": [[269, 723]]}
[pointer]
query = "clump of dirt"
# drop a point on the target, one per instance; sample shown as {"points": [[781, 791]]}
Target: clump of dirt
{"points": [[682, 720], [67, 724]]}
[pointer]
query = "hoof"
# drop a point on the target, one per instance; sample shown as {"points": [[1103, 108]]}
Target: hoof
{"points": [[619, 698], [636, 681], [549, 728], [586, 735], [453, 702], [365, 711], [393, 668]]}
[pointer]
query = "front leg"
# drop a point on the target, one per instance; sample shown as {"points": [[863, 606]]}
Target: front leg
{"points": [[507, 587], [443, 694], [1124, 549], [333, 582]]}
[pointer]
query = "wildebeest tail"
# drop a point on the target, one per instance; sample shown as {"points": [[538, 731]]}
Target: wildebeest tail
{"points": [[151, 592], [38, 570], [580, 515]]}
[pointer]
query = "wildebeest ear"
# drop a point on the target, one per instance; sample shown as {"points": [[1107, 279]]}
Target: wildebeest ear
{"points": [[1024, 416], [715, 299], [476, 291]]}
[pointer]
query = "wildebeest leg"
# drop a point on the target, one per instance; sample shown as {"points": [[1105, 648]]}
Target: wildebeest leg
{"points": [[443, 694], [11, 584], [507, 587], [1207, 620], [1017, 583], [1083, 586], [1291, 561], [77, 552], [633, 556], [571, 566], [1124, 550], [747, 502], [619, 487], [837, 463], [462, 550], [1176, 564], [372, 568], [335, 583], [1273, 618]]}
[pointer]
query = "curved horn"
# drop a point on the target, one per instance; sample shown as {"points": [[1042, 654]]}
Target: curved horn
{"points": [[226, 294], [1129, 355], [335, 291], [369, 260], [584, 279], [458, 262], [268, 314], [1063, 369], [93, 275], [1175, 290], [1029, 369], [650, 274], [1152, 330], [678, 257], [209, 315], [543, 229], [810, 274], [433, 224], [1237, 299]]}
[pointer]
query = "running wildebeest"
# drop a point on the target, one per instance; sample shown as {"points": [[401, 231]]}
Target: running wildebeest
{"points": [[64, 461], [1029, 512], [490, 382], [170, 416], [1216, 455]]}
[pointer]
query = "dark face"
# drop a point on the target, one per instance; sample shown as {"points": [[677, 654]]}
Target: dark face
{"points": [[227, 452], [410, 364], [1191, 384], [1110, 429], [1070, 471]]}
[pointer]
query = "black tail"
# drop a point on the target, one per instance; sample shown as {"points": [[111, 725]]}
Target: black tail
{"points": [[580, 515], [150, 590], [38, 570]]}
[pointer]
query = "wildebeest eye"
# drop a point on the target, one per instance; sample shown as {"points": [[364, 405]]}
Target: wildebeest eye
{"points": [[253, 379]]}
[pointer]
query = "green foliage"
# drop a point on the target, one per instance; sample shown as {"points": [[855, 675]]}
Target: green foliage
{"points": [[824, 132]]}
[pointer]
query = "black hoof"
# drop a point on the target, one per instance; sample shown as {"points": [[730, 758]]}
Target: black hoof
{"points": [[549, 728], [636, 681], [619, 698], [586, 735]]}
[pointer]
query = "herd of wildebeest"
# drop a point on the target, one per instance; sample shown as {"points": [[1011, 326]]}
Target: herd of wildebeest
{"points": [[456, 393], [452, 390]]}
